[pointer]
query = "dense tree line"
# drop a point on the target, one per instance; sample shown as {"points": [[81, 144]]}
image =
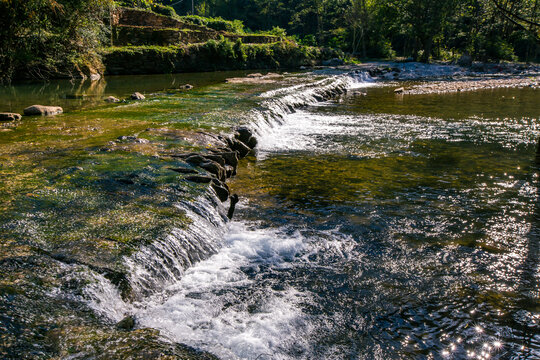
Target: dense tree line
{"points": [[39, 38], [421, 29]]}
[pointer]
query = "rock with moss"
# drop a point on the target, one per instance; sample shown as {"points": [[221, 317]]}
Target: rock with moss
{"points": [[43, 110]]}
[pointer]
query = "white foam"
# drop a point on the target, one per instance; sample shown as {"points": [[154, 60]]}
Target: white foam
{"points": [[206, 310]]}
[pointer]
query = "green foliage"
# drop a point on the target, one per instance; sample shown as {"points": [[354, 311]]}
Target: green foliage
{"points": [[40, 38], [277, 31], [219, 24], [163, 10]]}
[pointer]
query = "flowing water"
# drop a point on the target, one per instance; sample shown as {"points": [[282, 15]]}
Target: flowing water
{"points": [[370, 226], [375, 227]]}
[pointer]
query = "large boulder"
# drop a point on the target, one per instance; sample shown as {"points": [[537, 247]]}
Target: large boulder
{"points": [[112, 99], [43, 110], [10, 116]]}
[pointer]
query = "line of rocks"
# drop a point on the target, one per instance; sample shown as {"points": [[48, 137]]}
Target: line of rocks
{"points": [[220, 163], [41, 110], [33, 110]]}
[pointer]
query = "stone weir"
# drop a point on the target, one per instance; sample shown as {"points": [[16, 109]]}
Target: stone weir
{"points": [[134, 27], [103, 236]]}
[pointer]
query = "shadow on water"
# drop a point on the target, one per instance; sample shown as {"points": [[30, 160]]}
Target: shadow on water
{"points": [[529, 285]]}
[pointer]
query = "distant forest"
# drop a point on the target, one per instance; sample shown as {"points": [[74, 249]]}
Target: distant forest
{"points": [[41, 38], [420, 29]]}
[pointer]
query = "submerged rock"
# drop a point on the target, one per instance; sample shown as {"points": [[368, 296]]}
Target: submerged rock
{"points": [[10, 116], [43, 110], [137, 96]]}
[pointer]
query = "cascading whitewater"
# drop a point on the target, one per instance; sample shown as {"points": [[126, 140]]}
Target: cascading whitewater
{"points": [[163, 262], [278, 103], [160, 264]]}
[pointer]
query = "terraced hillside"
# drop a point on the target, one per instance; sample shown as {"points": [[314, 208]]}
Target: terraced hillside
{"points": [[134, 27]]}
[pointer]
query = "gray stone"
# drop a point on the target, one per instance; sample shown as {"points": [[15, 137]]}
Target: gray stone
{"points": [[112, 99], [127, 323], [95, 77], [43, 110], [137, 96], [214, 168], [10, 116], [196, 159], [215, 158], [231, 158], [242, 148]]}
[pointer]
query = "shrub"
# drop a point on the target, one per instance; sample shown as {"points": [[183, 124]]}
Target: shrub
{"points": [[218, 24], [163, 10]]}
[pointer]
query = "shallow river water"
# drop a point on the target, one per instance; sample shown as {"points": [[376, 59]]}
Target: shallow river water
{"points": [[377, 227], [370, 226]]}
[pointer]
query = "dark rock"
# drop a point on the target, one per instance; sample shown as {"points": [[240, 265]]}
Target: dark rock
{"points": [[184, 170], [216, 158], [127, 323], [10, 116], [214, 168], [112, 99], [234, 201], [43, 110], [252, 142], [199, 179], [242, 148], [243, 134], [137, 96], [221, 192], [196, 159]]}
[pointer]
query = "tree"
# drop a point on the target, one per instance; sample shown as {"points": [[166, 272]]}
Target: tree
{"points": [[44, 37]]}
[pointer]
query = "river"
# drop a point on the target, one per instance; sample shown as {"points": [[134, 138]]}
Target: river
{"points": [[370, 226]]}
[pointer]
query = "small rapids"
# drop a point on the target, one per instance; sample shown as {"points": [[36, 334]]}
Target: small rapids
{"points": [[360, 235]]}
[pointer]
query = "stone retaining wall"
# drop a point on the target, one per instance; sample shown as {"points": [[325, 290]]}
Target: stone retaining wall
{"points": [[139, 35]]}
